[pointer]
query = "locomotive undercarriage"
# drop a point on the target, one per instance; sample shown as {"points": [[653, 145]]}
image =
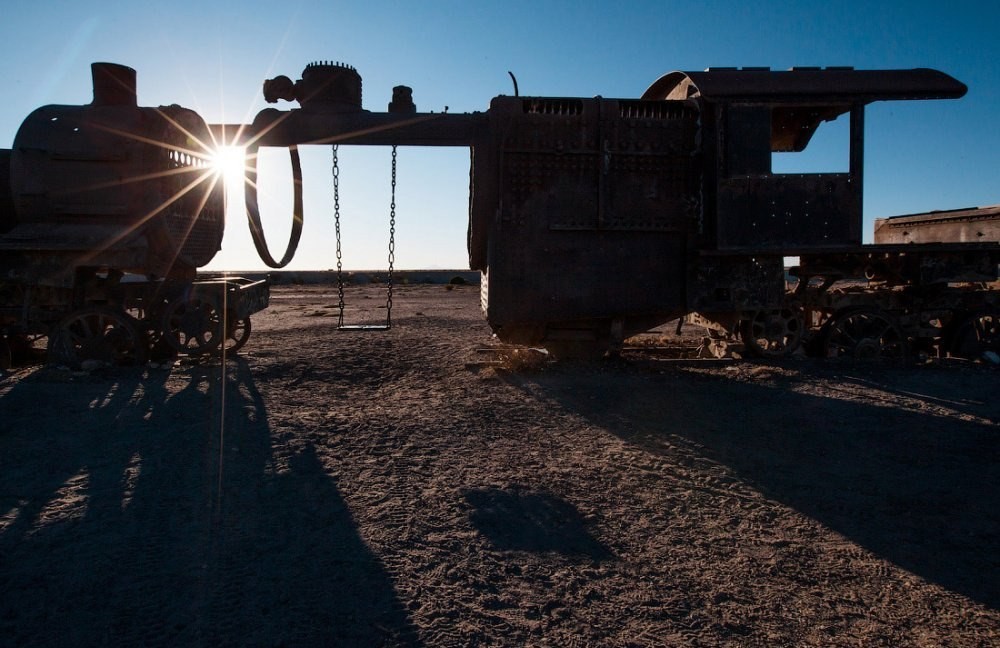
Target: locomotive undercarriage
{"points": [[889, 302], [104, 317]]}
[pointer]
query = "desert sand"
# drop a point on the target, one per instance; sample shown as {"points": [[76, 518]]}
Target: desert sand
{"points": [[427, 486]]}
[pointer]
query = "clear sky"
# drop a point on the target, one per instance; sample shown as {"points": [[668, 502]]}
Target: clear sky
{"points": [[213, 56]]}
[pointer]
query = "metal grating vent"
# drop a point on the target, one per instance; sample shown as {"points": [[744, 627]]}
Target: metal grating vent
{"points": [[654, 110], [553, 107]]}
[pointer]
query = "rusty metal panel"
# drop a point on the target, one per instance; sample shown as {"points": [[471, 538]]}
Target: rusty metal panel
{"points": [[652, 168], [747, 139], [654, 193], [575, 275], [598, 164], [783, 213], [549, 164], [975, 225], [597, 201], [560, 188]]}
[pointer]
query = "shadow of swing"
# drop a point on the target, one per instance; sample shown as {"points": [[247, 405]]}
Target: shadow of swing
{"points": [[519, 520], [912, 486]]}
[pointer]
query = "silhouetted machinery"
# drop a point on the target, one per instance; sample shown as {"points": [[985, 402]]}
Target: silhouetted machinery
{"points": [[108, 212], [591, 219]]}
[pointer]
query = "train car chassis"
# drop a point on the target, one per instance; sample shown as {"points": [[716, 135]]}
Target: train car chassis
{"points": [[104, 317], [879, 301]]}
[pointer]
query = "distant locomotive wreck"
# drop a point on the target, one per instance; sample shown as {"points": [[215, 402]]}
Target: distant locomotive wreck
{"points": [[591, 219]]}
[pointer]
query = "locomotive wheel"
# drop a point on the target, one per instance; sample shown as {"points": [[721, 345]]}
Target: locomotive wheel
{"points": [[863, 334], [773, 333], [98, 334], [239, 333], [976, 335], [193, 325]]}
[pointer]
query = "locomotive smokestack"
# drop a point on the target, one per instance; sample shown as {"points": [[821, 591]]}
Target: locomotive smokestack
{"points": [[114, 84]]}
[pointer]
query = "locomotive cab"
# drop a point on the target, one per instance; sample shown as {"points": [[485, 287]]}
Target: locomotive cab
{"points": [[754, 217], [751, 113]]}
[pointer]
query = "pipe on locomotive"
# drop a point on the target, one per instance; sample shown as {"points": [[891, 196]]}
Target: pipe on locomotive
{"points": [[329, 95]]}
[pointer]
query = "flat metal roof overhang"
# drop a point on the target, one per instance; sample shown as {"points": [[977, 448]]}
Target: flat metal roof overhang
{"points": [[806, 85], [802, 98]]}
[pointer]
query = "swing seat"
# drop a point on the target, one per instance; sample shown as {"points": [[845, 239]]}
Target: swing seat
{"points": [[364, 327]]}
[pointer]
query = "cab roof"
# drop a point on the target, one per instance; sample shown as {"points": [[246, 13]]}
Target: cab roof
{"points": [[802, 98], [832, 85]]}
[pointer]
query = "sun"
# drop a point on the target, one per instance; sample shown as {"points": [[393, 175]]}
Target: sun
{"points": [[230, 163]]}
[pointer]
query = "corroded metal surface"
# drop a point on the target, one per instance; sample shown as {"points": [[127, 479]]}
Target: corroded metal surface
{"points": [[975, 225]]}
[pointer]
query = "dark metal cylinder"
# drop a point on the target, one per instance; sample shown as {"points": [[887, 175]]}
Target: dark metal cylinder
{"points": [[114, 84], [129, 186], [330, 86], [8, 217]]}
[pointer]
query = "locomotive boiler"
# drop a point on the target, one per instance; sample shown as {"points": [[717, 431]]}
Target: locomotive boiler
{"points": [[106, 212]]}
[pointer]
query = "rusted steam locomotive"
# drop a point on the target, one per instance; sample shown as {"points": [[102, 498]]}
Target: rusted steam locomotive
{"points": [[591, 219], [650, 209], [106, 212]]}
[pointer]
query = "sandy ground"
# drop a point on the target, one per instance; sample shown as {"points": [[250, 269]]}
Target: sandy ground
{"points": [[408, 488]]}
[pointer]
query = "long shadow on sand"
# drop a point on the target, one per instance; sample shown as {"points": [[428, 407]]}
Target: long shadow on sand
{"points": [[160, 518], [909, 483]]}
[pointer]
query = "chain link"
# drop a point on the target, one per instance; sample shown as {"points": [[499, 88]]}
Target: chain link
{"points": [[392, 243], [335, 169], [336, 220]]}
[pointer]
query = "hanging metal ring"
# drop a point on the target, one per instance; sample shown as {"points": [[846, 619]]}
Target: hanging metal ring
{"points": [[253, 209]]}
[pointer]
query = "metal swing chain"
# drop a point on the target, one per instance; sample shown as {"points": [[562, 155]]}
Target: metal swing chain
{"points": [[336, 220], [392, 243], [335, 169]]}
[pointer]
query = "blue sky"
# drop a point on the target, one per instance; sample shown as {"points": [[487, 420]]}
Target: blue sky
{"points": [[213, 56]]}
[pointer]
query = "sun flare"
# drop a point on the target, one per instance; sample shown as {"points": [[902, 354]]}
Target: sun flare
{"points": [[230, 163]]}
